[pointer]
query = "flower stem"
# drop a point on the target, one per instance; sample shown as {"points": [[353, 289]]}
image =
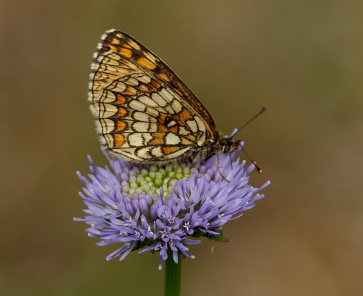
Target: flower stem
{"points": [[172, 275]]}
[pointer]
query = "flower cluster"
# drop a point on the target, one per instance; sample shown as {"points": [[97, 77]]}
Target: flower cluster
{"points": [[165, 207]]}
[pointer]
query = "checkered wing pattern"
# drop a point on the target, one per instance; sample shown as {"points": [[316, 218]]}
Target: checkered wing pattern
{"points": [[143, 111]]}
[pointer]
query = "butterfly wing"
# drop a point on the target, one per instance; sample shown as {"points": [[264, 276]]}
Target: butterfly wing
{"points": [[143, 111]]}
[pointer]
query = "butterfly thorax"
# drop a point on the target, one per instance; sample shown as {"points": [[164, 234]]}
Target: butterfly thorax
{"points": [[221, 144], [228, 145]]}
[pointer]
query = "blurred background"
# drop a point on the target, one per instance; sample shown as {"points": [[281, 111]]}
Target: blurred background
{"points": [[302, 59]]}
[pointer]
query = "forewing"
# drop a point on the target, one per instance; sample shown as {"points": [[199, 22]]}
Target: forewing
{"points": [[143, 110]]}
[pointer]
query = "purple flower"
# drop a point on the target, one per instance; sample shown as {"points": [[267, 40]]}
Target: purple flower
{"points": [[156, 208]]}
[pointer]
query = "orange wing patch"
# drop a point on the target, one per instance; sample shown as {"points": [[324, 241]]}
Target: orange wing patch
{"points": [[130, 91], [154, 84], [163, 76], [184, 116], [119, 140], [121, 99], [113, 48], [121, 112], [121, 125], [170, 149], [146, 63], [126, 52], [116, 41], [158, 139]]}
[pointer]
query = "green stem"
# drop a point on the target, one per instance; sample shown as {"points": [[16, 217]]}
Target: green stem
{"points": [[172, 275]]}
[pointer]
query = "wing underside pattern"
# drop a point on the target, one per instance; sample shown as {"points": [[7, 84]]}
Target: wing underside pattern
{"points": [[143, 111]]}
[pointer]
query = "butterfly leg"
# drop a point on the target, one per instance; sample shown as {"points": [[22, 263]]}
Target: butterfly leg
{"points": [[170, 179], [230, 160], [219, 168]]}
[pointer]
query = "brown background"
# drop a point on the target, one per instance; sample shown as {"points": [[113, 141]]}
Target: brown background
{"points": [[303, 59]]}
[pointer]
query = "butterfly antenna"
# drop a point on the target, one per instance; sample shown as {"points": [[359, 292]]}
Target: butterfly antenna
{"points": [[258, 169], [248, 121]]}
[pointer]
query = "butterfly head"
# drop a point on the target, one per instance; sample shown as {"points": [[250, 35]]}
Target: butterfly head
{"points": [[228, 145]]}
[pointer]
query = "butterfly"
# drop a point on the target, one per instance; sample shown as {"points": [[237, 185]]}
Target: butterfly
{"points": [[144, 112]]}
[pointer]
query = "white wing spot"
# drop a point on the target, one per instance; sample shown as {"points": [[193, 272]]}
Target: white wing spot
{"points": [[171, 123], [144, 153], [107, 110], [150, 56], [107, 125], [137, 106], [201, 141], [108, 97], [153, 127], [159, 99], [132, 81], [193, 125], [141, 116], [147, 137], [141, 126], [129, 153], [119, 87], [109, 139], [157, 151], [147, 101], [172, 139], [177, 153], [200, 124], [176, 105], [145, 79], [136, 140], [152, 111], [166, 95], [183, 131]]}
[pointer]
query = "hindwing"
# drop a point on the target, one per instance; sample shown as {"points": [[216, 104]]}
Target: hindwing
{"points": [[143, 111]]}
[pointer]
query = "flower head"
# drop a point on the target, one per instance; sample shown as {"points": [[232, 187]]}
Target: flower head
{"points": [[164, 207]]}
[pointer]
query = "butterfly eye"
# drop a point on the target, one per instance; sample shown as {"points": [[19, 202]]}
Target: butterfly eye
{"points": [[227, 147]]}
